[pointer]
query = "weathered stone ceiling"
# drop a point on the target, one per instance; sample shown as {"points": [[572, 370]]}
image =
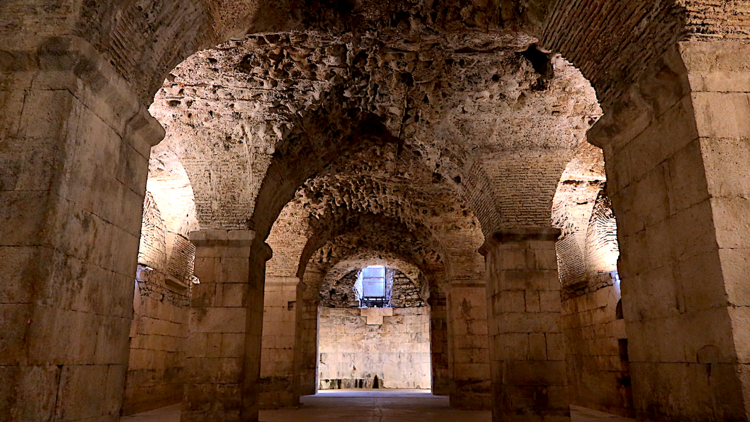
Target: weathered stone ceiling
{"points": [[383, 183], [145, 39], [452, 99], [610, 40]]}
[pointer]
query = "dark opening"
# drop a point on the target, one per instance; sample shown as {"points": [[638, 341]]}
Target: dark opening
{"points": [[618, 310], [623, 345]]}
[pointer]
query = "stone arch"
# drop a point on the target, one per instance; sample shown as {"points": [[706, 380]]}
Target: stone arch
{"points": [[602, 249], [649, 28], [484, 90], [152, 250], [432, 271], [286, 175], [390, 238], [362, 259], [350, 266]]}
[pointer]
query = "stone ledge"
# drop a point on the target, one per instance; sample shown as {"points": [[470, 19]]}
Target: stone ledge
{"points": [[218, 237], [235, 239], [467, 283], [519, 235]]}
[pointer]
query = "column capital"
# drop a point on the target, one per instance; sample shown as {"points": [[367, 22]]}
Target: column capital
{"points": [[282, 281], [219, 237], [519, 235], [235, 239], [73, 64]]}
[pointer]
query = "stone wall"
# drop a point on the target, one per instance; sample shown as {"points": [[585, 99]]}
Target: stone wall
{"points": [[676, 166], [441, 375], [405, 293], [74, 145], [306, 342], [596, 349], [353, 347], [595, 337], [587, 252], [157, 348], [340, 293], [226, 315]]}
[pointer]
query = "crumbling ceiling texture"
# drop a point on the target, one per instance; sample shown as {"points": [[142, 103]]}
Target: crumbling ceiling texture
{"points": [[144, 40], [441, 131]]}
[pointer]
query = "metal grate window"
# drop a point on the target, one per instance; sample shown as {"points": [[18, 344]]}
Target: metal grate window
{"points": [[373, 289]]}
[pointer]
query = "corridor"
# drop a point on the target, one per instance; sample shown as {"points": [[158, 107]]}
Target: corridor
{"points": [[372, 406]]}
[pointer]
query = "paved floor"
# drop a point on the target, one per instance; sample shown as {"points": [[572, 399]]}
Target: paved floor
{"points": [[372, 406]]}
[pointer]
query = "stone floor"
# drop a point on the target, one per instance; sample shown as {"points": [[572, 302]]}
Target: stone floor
{"points": [[372, 406]]}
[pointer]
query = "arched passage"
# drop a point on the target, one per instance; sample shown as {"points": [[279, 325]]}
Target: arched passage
{"points": [[160, 329], [587, 254], [84, 159]]}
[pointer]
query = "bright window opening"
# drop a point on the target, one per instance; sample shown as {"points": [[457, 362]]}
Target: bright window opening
{"points": [[371, 288]]}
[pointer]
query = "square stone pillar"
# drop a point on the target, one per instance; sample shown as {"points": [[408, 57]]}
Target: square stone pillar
{"points": [[677, 153], [74, 149], [226, 319], [468, 347], [527, 347], [277, 355], [306, 342], [441, 375]]}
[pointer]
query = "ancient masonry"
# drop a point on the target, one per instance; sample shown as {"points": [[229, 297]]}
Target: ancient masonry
{"points": [[190, 189]]}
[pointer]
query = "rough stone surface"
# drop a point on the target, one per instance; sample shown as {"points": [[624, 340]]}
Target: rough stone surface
{"points": [[529, 379], [388, 80]]}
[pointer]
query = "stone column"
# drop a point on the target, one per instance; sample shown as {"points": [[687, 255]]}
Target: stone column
{"points": [[277, 355], [441, 375], [74, 148], [306, 342], [677, 155], [223, 352], [526, 339], [468, 347]]}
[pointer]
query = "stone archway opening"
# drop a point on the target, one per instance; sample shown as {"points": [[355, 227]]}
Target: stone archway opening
{"points": [[373, 332], [587, 255]]}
